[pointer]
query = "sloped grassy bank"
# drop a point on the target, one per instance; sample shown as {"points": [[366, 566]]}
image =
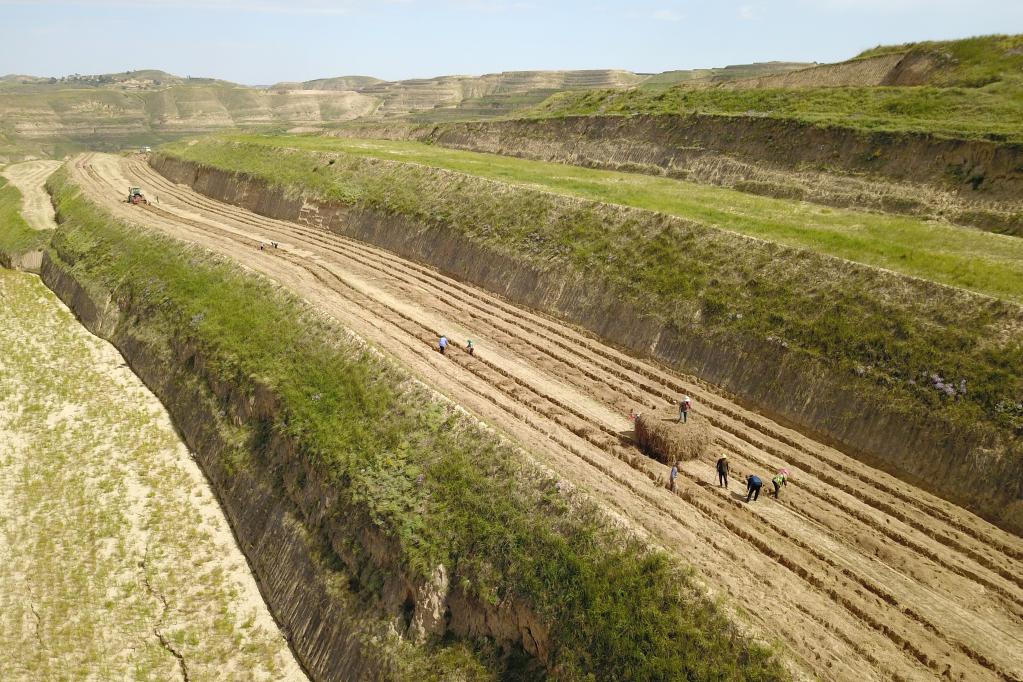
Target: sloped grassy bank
{"points": [[969, 182], [365, 504], [921, 379], [21, 246]]}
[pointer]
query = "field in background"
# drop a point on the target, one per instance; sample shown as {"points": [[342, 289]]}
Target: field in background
{"points": [[979, 261]]}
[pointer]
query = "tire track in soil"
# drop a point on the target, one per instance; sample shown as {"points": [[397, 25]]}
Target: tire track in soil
{"points": [[873, 613]]}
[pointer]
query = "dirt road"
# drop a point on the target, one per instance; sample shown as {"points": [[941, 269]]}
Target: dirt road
{"points": [[855, 573], [29, 177]]}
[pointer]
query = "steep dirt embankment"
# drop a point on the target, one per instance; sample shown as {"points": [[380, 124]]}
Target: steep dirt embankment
{"points": [[970, 467], [971, 182], [282, 552]]}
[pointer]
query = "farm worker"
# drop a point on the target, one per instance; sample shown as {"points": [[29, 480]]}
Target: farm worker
{"points": [[753, 486], [260, 246], [723, 471], [781, 479], [673, 475], [684, 406], [470, 349], [443, 344]]}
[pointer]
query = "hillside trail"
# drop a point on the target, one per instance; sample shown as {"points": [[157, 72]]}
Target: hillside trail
{"points": [[854, 573], [30, 178]]}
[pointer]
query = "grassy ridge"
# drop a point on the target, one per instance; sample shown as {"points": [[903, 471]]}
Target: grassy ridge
{"points": [[17, 237], [889, 335], [977, 92], [446, 491], [948, 112], [982, 262]]}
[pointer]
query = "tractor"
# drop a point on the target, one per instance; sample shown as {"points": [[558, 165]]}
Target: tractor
{"points": [[135, 196]]}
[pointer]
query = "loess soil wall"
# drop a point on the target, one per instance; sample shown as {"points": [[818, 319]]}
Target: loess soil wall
{"points": [[973, 467], [287, 558], [970, 182]]}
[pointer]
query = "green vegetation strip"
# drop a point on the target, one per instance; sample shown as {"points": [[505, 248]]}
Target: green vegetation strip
{"points": [[987, 263], [108, 544], [900, 342], [976, 93], [17, 237], [444, 490]]}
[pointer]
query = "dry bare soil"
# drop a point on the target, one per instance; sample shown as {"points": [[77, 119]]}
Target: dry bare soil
{"points": [[858, 575], [29, 177], [115, 560]]}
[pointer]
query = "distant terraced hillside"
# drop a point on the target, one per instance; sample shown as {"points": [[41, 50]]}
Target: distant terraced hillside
{"points": [[408, 96], [53, 117], [509, 92]]}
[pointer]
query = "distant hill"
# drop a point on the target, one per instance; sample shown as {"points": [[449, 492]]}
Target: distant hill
{"points": [[708, 77], [398, 98], [338, 83], [42, 116], [55, 116], [505, 93], [970, 88]]}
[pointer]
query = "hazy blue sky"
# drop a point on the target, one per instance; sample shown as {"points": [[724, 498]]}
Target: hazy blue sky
{"points": [[263, 41]]}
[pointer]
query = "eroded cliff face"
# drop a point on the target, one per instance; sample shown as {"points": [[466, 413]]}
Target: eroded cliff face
{"points": [[974, 183], [971, 470]]}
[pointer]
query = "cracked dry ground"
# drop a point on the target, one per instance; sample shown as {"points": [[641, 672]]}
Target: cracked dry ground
{"points": [[115, 560], [856, 574]]}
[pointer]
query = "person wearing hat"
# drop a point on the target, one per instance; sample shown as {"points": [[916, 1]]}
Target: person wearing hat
{"points": [[780, 480], [470, 348], [723, 471]]}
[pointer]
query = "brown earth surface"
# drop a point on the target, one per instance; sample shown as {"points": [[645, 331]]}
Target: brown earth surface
{"points": [[856, 574], [30, 177]]}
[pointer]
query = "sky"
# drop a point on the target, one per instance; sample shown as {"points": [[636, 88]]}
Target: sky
{"points": [[259, 42]]}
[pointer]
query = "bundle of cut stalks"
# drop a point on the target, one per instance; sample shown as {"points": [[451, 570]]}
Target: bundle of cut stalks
{"points": [[667, 441]]}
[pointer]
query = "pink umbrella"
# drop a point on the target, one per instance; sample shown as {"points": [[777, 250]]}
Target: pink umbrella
{"points": [[784, 472]]}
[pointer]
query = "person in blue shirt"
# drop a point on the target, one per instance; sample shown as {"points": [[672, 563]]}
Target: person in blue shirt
{"points": [[753, 486], [673, 476], [443, 344]]}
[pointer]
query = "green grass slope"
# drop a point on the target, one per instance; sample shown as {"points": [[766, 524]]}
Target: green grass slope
{"points": [[980, 261], [975, 91], [17, 237], [445, 491]]}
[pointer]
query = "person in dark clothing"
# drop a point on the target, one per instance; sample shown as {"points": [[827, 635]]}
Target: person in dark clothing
{"points": [[753, 486], [723, 471]]}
